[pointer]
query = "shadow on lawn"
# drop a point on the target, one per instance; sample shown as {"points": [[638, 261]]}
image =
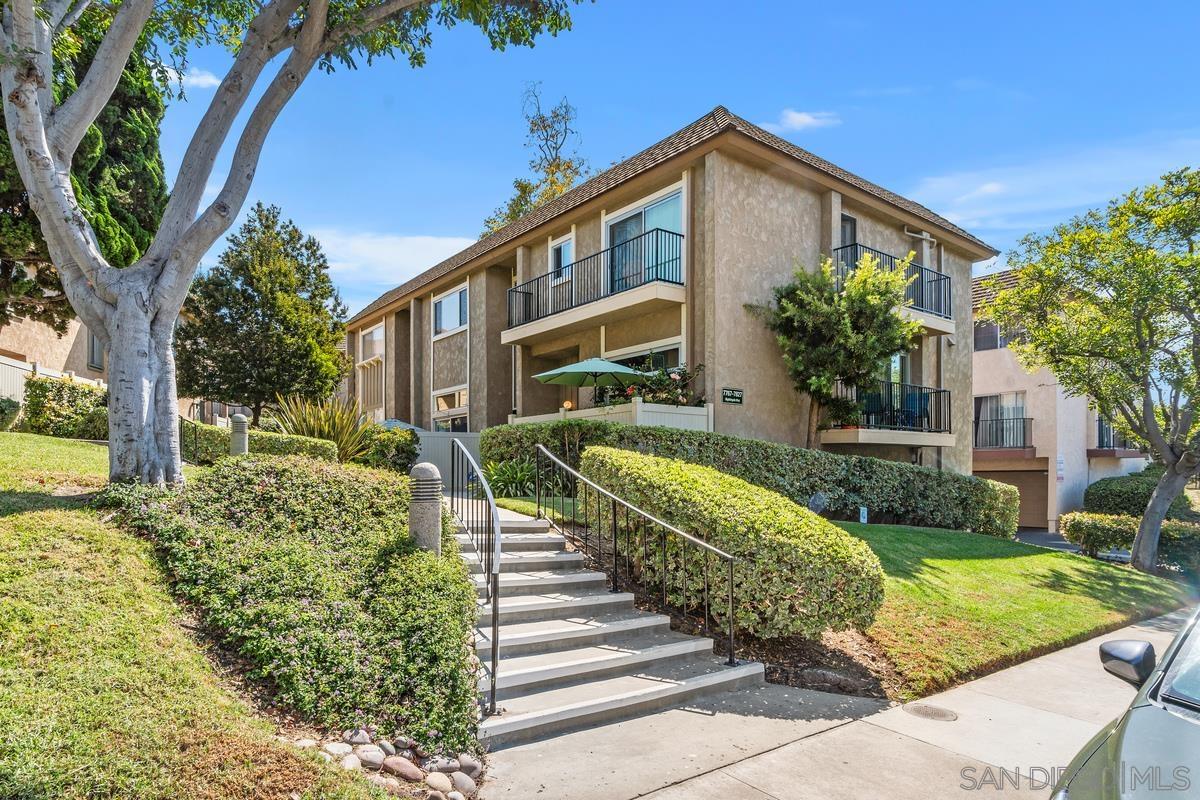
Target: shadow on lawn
{"points": [[1122, 590], [13, 503]]}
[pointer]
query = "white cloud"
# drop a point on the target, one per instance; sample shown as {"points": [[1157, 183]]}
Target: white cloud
{"points": [[792, 120], [1018, 198], [364, 264], [200, 79]]}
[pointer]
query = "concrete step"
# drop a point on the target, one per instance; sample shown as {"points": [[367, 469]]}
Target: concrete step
{"points": [[556, 605], [530, 561], [548, 635], [588, 702], [520, 674], [524, 525], [541, 582], [519, 542]]}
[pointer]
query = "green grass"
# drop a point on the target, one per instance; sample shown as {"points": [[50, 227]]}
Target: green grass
{"points": [[958, 605], [558, 508], [102, 693]]}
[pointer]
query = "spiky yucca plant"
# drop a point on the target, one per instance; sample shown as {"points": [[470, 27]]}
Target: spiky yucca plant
{"points": [[340, 421]]}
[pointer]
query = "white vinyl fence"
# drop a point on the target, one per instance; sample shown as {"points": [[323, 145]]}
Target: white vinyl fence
{"points": [[688, 418], [13, 374], [435, 448]]}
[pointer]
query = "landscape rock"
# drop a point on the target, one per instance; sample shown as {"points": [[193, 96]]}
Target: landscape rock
{"points": [[442, 764], [356, 736], [387, 747], [403, 768], [439, 782], [470, 765], [463, 783], [370, 755], [435, 795], [306, 744], [455, 796], [337, 749], [409, 754], [386, 782], [350, 762], [328, 758]]}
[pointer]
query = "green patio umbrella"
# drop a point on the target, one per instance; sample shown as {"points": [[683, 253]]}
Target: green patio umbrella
{"points": [[593, 372]]}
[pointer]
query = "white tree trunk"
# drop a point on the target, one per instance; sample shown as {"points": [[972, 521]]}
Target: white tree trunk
{"points": [[143, 432], [1145, 544]]}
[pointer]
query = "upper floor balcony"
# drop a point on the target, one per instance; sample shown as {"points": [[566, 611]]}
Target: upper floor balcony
{"points": [[1005, 433], [1111, 443], [928, 292], [895, 413], [629, 278]]}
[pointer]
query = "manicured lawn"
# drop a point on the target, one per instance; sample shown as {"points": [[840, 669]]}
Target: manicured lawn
{"points": [[561, 507], [102, 693], [958, 605]]}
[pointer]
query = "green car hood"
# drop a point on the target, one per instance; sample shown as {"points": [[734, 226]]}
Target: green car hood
{"points": [[1152, 753]]}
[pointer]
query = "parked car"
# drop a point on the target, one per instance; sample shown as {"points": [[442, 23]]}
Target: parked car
{"points": [[1153, 749]]}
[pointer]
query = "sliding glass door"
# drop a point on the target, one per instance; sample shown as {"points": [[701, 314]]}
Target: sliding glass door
{"points": [[637, 255]]}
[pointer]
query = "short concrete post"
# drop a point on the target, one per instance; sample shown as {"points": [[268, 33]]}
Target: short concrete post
{"points": [[425, 508], [239, 436]]}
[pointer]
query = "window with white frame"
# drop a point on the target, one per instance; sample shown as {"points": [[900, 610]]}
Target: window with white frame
{"points": [[450, 411], [637, 253], [95, 352], [450, 311], [370, 368], [562, 255]]}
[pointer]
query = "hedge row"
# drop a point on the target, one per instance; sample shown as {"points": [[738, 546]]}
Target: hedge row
{"points": [[1129, 494], [204, 444], [1178, 547], [797, 573], [892, 491], [390, 448], [65, 408], [306, 570]]}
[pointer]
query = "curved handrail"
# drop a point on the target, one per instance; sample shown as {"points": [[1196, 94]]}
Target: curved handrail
{"points": [[483, 527], [601, 490]]}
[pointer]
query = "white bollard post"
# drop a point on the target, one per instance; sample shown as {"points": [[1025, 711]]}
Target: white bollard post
{"points": [[239, 436], [425, 508]]}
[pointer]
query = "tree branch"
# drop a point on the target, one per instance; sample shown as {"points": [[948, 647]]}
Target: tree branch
{"points": [[370, 19], [70, 121]]}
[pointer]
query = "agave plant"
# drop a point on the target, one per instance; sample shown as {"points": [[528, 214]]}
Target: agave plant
{"points": [[340, 421], [512, 478]]}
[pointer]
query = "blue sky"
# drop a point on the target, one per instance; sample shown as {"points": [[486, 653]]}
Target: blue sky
{"points": [[1004, 117]]}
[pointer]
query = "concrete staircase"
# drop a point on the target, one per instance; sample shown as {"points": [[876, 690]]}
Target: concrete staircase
{"points": [[573, 653]]}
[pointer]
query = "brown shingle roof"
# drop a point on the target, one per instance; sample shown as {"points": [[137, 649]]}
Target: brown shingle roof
{"points": [[707, 127], [985, 287]]}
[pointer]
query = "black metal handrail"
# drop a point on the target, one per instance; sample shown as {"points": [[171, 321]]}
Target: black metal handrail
{"points": [[472, 503], [928, 290], [656, 255], [553, 477], [188, 428], [1004, 433], [898, 406], [1109, 438]]}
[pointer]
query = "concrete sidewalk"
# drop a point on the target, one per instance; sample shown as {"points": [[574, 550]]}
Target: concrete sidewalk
{"points": [[792, 744]]}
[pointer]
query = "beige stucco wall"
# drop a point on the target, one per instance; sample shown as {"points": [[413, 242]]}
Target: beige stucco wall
{"points": [[955, 361], [35, 342], [450, 361], [626, 333], [490, 394]]}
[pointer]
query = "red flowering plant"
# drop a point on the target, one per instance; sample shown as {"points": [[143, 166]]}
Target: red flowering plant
{"points": [[671, 386]]}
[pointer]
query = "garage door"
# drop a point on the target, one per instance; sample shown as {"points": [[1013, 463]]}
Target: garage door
{"points": [[1032, 484]]}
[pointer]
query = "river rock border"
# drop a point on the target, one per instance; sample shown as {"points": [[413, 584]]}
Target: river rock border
{"points": [[399, 765]]}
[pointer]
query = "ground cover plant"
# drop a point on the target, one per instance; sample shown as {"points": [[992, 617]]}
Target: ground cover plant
{"points": [[1178, 551], [958, 605], [103, 693], [306, 569]]}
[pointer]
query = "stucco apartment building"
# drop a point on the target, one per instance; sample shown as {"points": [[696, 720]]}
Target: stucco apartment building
{"points": [[658, 257], [1028, 432]]}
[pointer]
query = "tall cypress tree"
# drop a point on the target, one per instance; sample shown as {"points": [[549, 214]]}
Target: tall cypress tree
{"points": [[265, 321], [117, 173]]}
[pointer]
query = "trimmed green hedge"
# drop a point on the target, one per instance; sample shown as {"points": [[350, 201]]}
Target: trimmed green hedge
{"points": [[65, 408], [797, 573], [1129, 494], [1178, 547], [9, 409], [390, 448], [204, 444], [893, 491], [306, 569]]}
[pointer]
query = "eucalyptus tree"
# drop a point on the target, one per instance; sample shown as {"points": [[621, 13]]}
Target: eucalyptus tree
{"points": [[276, 44], [1109, 302]]}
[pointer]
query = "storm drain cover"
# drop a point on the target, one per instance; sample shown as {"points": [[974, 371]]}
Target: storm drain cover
{"points": [[927, 711]]}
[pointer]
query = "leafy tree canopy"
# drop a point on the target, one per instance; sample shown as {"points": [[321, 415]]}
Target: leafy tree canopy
{"points": [[117, 175], [554, 169], [833, 331], [1110, 303], [265, 322]]}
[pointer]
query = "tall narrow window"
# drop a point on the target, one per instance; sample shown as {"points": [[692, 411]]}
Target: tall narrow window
{"points": [[95, 352], [562, 255], [849, 230]]}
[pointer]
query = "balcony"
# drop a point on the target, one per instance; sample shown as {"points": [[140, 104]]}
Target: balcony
{"points": [[1009, 433], [928, 293], [628, 279], [895, 413], [1111, 443]]}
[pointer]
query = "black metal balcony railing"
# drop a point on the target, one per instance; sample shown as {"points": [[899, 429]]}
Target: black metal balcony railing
{"points": [[928, 290], [900, 406], [1109, 438], [1004, 433], [656, 255]]}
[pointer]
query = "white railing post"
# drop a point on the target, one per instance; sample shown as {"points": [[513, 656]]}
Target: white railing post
{"points": [[637, 411]]}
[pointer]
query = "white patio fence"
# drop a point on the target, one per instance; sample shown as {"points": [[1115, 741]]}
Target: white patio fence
{"points": [[688, 418], [13, 374], [435, 446]]}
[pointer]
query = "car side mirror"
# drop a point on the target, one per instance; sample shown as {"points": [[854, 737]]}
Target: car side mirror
{"points": [[1129, 659]]}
